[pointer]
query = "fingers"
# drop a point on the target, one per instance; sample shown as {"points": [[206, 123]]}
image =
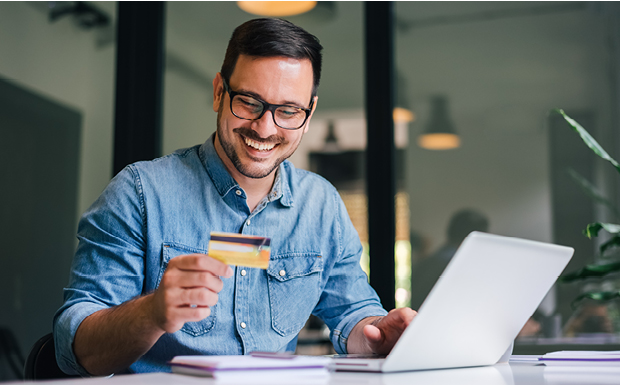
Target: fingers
{"points": [[403, 315], [188, 288], [198, 297], [201, 262], [196, 270], [184, 314], [383, 334], [193, 279]]}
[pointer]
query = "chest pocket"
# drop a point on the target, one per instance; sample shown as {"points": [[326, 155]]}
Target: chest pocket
{"points": [[169, 251], [294, 290]]}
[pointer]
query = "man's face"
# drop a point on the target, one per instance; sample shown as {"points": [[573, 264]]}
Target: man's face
{"points": [[256, 148]]}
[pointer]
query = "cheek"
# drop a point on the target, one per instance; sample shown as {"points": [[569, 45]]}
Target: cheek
{"points": [[295, 138]]}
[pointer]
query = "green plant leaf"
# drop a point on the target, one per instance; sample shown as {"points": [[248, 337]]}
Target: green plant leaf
{"points": [[588, 139], [592, 191], [593, 229], [590, 271], [613, 242], [597, 296]]}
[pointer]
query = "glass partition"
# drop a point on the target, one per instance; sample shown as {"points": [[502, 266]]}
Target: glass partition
{"points": [[482, 77]]}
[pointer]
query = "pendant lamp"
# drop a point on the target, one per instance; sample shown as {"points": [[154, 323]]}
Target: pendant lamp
{"points": [[440, 133], [276, 8]]}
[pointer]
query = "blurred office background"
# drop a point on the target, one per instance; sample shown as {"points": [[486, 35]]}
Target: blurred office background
{"points": [[492, 70]]}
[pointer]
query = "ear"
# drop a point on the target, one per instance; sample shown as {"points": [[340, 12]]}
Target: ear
{"points": [[218, 92], [316, 101]]}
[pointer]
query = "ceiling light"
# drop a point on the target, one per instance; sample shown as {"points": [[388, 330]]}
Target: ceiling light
{"points": [[439, 141], [440, 133], [276, 8], [403, 115]]}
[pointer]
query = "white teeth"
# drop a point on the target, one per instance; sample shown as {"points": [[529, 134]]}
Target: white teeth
{"points": [[259, 146]]}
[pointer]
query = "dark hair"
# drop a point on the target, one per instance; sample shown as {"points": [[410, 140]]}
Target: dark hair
{"points": [[464, 222], [273, 37]]}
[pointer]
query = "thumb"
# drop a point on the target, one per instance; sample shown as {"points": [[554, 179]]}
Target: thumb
{"points": [[372, 334]]}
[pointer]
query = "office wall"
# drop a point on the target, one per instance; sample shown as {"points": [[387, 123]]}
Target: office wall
{"points": [[39, 147], [65, 63], [66, 162], [76, 67]]}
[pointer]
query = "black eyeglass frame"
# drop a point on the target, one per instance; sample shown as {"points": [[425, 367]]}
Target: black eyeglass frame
{"points": [[266, 107]]}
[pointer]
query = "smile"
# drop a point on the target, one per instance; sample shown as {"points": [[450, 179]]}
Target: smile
{"points": [[259, 146]]}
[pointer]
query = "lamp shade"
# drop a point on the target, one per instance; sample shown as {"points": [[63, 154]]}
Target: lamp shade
{"points": [[276, 8], [440, 133]]}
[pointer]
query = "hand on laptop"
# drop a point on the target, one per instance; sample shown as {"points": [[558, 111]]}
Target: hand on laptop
{"points": [[379, 334]]}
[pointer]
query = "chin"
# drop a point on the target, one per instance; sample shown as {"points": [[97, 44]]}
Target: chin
{"points": [[252, 170]]}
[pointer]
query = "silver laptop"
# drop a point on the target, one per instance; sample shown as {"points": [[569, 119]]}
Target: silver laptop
{"points": [[488, 291]]}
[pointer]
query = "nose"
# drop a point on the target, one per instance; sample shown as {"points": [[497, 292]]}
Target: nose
{"points": [[265, 126]]}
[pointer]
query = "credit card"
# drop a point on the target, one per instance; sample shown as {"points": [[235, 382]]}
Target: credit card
{"points": [[240, 250]]}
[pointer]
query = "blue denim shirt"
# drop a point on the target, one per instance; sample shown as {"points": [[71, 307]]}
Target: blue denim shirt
{"points": [[154, 211]]}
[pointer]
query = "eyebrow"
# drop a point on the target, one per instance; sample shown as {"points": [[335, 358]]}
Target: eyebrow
{"points": [[259, 97]]}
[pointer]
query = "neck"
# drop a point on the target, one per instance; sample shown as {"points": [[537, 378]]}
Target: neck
{"points": [[255, 188]]}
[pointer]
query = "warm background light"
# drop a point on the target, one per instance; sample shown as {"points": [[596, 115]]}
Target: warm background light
{"points": [[276, 8], [440, 141], [403, 115]]}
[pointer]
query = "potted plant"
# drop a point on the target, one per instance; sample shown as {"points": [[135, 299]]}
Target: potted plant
{"points": [[597, 303]]}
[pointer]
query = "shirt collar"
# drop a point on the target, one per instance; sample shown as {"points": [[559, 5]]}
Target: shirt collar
{"points": [[281, 189], [220, 177], [224, 182]]}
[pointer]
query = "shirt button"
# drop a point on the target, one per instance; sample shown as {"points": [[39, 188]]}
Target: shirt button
{"points": [[243, 325], [238, 192], [248, 222], [282, 273], [243, 272]]}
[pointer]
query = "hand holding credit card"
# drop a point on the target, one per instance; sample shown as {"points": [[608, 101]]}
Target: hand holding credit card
{"points": [[240, 250]]}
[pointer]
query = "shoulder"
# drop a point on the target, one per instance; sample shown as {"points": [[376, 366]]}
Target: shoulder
{"points": [[174, 159], [308, 185], [307, 179], [177, 165]]}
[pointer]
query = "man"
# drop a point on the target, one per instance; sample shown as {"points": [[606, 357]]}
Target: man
{"points": [[142, 288]]}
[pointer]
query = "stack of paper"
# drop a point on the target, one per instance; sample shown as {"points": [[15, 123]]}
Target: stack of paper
{"points": [[255, 369], [582, 358], [521, 358]]}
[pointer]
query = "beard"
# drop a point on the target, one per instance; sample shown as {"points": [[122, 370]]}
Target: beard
{"points": [[255, 168]]}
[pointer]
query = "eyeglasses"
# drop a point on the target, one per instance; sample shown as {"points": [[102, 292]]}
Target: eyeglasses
{"points": [[250, 108]]}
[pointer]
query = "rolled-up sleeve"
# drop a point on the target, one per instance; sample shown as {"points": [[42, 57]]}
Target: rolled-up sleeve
{"points": [[347, 297], [108, 266]]}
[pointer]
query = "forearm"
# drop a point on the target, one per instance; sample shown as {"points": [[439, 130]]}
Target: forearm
{"points": [[112, 339], [357, 343]]}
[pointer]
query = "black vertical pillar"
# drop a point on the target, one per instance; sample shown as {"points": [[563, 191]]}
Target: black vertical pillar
{"points": [[380, 152], [139, 82]]}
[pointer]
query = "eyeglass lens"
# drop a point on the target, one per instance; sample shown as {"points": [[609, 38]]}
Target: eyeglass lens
{"points": [[246, 107]]}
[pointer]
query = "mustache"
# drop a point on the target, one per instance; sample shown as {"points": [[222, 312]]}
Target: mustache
{"points": [[251, 134]]}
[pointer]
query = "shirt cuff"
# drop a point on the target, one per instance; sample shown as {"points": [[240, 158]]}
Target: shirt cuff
{"points": [[65, 327], [340, 335]]}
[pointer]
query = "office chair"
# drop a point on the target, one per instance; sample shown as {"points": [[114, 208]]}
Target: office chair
{"points": [[41, 362]]}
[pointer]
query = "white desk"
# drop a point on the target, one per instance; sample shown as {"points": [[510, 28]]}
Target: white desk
{"points": [[503, 374]]}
